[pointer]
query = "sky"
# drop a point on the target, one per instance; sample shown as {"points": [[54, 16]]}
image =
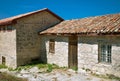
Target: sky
{"points": [[67, 9]]}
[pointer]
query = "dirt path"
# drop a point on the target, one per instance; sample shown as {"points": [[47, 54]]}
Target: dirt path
{"points": [[35, 74], [58, 75]]}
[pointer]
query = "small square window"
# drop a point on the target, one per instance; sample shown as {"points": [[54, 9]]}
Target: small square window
{"points": [[52, 46], [105, 53], [4, 28], [0, 29]]}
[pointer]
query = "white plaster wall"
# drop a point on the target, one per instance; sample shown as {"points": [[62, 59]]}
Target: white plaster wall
{"points": [[60, 57], [8, 47]]}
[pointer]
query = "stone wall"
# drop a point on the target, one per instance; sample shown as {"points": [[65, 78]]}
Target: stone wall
{"points": [[60, 57], [28, 39], [8, 47], [88, 55]]}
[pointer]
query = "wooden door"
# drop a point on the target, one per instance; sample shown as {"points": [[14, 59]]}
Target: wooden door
{"points": [[72, 56]]}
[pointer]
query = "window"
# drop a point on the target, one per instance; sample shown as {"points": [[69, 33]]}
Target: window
{"points": [[3, 60], [4, 28], [105, 53], [9, 28], [52, 46]]}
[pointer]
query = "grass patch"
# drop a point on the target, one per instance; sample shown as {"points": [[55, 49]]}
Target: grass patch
{"points": [[7, 77], [11, 69], [47, 67], [25, 67], [74, 68], [55, 66], [41, 66], [2, 66], [50, 68]]}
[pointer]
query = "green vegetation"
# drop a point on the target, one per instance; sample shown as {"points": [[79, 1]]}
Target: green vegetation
{"points": [[74, 68], [7, 77], [41, 66], [48, 67], [23, 67], [2, 66]]}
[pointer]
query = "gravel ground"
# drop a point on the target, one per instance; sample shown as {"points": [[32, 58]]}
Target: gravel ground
{"points": [[35, 74], [58, 75]]}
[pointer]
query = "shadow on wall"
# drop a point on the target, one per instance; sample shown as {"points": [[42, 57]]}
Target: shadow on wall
{"points": [[43, 53]]}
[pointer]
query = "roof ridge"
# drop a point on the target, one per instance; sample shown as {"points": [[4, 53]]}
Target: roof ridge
{"points": [[10, 20], [93, 17], [25, 13]]}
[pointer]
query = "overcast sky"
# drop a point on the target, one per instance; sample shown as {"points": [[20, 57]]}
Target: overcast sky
{"points": [[67, 9]]}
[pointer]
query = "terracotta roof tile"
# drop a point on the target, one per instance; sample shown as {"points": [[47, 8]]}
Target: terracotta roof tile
{"points": [[106, 24], [13, 19]]}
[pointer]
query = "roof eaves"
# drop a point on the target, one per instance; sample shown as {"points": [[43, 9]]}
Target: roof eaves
{"points": [[83, 34]]}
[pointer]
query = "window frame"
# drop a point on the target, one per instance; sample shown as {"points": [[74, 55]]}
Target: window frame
{"points": [[104, 53]]}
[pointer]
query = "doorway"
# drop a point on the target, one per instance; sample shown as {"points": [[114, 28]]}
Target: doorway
{"points": [[72, 56]]}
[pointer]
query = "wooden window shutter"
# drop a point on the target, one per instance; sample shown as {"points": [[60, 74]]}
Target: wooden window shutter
{"points": [[52, 46], [3, 60]]}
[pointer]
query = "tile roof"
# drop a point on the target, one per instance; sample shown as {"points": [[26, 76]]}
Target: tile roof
{"points": [[13, 19], [107, 24]]}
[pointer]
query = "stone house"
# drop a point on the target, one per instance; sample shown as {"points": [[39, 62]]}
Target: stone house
{"points": [[90, 43], [19, 36]]}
